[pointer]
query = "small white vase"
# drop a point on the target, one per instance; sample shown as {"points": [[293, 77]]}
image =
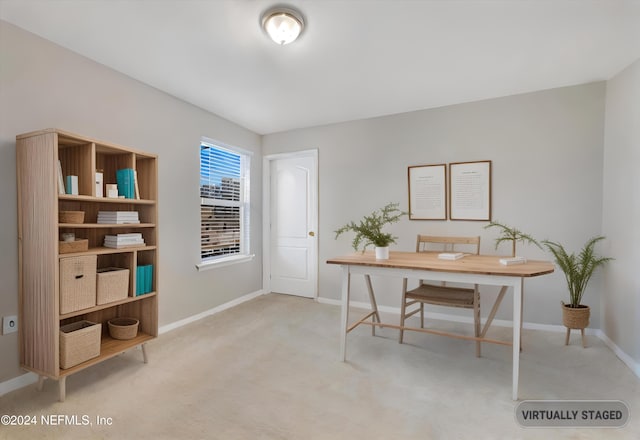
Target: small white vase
{"points": [[382, 253]]}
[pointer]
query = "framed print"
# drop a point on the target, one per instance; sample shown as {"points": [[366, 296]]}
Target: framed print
{"points": [[428, 192], [470, 190]]}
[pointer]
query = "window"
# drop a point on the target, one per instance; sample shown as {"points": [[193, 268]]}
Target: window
{"points": [[224, 203]]}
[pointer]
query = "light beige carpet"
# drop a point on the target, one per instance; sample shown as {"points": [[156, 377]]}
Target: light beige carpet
{"points": [[269, 369]]}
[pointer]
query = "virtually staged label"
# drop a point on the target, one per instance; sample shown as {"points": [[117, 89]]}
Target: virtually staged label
{"points": [[572, 413]]}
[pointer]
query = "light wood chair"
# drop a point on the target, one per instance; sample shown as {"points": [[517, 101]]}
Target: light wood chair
{"points": [[442, 295]]}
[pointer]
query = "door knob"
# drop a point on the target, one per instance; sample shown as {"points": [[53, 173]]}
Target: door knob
{"points": [[312, 234]]}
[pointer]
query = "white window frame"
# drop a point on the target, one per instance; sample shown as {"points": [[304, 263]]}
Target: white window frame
{"points": [[245, 208]]}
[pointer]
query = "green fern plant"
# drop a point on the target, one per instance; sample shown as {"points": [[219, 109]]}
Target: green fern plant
{"points": [[369, 230], [577, 269], [509, 233]]}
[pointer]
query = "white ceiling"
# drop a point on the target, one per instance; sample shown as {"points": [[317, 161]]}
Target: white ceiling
{"points": [[356, 59]]}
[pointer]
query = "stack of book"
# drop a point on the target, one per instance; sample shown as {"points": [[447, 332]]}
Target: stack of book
{"points": [[144, 279], [118, 217], [127, 180], [123, 240]]}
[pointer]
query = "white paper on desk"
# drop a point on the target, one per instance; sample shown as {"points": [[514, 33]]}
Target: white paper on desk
{"points": [[513, 260], [450, 256]]}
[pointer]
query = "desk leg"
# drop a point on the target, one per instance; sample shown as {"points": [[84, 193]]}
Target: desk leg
{"points": [[346, 284], [374, 305], [517, 320]]}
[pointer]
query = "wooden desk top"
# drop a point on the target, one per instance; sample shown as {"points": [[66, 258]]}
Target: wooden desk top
{"points": [[477, 264]]}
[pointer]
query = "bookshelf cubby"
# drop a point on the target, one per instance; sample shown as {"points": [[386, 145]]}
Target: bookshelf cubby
{"points": [[38, 155]]}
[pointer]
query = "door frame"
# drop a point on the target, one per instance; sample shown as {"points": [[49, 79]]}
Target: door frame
{"points": [[266, 213]]}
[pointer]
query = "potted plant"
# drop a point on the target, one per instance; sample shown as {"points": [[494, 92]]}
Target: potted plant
{"points": [[578, 270], [369, 230], [509, 233]]}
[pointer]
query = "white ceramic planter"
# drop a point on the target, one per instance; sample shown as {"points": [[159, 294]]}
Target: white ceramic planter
{"points": [[382, 253]]}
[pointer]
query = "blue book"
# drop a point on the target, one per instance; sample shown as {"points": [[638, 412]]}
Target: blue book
{"points": [[139, 280], [125, 181], [145, 281], [132, 184], [148, 278]]}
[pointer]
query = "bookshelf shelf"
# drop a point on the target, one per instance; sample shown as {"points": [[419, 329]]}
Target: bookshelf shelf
{"points": [[106, 225], [106, 306], [84, 198], [107, 251], [42, 157]]}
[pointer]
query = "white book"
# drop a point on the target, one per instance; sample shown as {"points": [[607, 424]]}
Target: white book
{"points": [[112, 238], [103, 221], [119, 246], [118, 214], [512, 260], [99, 184], [119, 217], [124, 240], [450, 255], [137, 189], [131, 234], [60, 179]]}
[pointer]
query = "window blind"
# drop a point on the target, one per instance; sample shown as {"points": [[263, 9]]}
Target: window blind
{"points": [[223, 214]]}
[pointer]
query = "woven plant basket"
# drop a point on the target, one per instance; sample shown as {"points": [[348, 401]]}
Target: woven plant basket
{"points": [[123, 328], [575, 317]]}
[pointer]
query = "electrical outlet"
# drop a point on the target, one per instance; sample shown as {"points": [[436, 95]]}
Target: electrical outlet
{"points": [[9, 324]]}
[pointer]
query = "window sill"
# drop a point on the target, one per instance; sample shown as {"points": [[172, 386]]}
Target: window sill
{"points": [[222, 262]]}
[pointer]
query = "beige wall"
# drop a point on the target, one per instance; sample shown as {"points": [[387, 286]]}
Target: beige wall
{"points": [[546, 149], [621, 214], [43, 85]]}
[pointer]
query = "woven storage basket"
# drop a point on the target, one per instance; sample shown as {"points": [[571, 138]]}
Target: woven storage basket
{"points": [[123, 328], [77, 283], [575, 317], [71, 217], [78, 245], [113, 284], [79, 342]]}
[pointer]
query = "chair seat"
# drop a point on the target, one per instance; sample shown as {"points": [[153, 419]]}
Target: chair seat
{"points": [[442, 295]]}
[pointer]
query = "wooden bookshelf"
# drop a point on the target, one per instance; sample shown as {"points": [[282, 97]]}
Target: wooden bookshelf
{"points": [[39, 201]]}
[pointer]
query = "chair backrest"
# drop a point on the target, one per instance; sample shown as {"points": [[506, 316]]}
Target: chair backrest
{"points": [[469, 245], [431, 243]]}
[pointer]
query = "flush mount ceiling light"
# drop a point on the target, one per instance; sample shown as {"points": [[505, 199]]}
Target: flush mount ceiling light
{"points": [[283, 25]]}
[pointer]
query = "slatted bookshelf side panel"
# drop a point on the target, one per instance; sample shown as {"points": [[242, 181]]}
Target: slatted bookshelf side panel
{"points": [[37, 235]]}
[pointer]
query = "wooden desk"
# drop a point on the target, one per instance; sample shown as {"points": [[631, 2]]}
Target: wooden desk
{"points": [[472, 269]]}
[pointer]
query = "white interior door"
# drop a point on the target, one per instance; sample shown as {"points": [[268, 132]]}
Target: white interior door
{"points": [[293, 232]]}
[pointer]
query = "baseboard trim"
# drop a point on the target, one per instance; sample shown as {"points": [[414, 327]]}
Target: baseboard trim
{"points": [[213, 311], [17, 383], [30, 378], [624, 357]]}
